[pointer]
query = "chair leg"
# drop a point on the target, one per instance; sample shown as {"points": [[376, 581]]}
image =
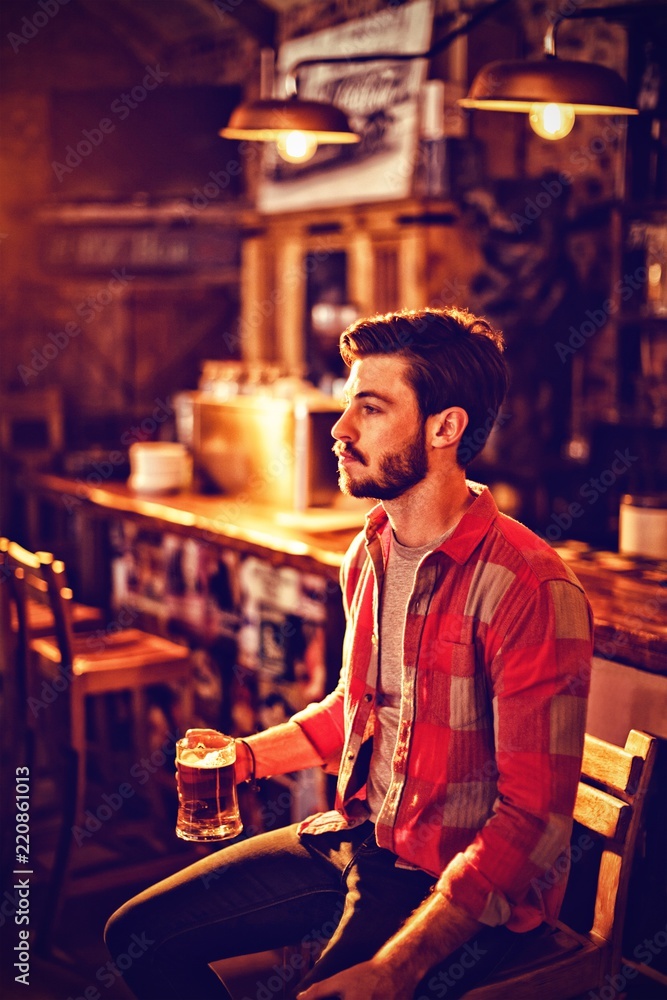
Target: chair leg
{"points": [[102, 736], [55, 889], [142, 746], [79, 746], [73, 797], [186, 706]]}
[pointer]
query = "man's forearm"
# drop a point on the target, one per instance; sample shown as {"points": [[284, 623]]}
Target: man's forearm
{"points": [[429, 935], [277, 750], [434, 931]]}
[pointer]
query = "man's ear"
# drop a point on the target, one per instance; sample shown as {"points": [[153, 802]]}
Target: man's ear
{"points": [[445, 429]]}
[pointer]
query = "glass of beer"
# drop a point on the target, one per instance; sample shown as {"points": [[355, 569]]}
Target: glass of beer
{"points": [[208, 807]]}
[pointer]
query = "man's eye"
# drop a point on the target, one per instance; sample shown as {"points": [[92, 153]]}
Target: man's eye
{"points": [[370, 409]]}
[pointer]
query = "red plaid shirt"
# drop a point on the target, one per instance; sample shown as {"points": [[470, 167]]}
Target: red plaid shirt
{"points": [[496, 661]]}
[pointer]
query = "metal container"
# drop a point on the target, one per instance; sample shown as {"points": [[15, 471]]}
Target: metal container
{"points": [[268, 450], [642, 529]]}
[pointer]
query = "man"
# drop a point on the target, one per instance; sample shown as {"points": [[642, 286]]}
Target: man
{"points": [[458, 720]]}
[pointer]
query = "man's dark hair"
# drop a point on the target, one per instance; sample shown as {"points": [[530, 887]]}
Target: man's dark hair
{"points": [[454, 359]]}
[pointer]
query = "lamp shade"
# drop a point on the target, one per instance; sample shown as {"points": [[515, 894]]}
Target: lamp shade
{"points": [[517, 85], [269, 120]]}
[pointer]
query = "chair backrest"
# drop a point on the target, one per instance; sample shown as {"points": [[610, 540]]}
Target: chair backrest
{"points": [[38, 578], [610, 800]]}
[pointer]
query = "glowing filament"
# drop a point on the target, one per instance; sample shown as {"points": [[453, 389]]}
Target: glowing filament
{"points": [[551, 121], [297, 147]]}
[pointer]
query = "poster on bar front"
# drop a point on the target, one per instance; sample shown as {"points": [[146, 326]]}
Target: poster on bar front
{"points": [[381, 99]]}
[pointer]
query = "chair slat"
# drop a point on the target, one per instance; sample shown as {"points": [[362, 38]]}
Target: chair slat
{"points": [[610, 765], [608, 879], [601, 812]]}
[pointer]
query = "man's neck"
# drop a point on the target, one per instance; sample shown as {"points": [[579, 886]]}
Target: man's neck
{"points": [[429, 509]]}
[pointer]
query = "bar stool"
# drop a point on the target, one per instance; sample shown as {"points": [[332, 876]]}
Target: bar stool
{"points": [[65, 669]]}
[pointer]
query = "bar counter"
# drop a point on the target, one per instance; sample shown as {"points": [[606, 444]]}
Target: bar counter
{"points": [[628, 595], [311, 540]]}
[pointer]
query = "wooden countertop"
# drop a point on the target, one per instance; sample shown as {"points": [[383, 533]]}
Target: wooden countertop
{"points": [[628, 595], [317, 538], [629, 600]]}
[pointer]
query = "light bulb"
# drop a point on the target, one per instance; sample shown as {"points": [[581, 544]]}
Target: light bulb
{"points": [[551, 121], [296, 147]]}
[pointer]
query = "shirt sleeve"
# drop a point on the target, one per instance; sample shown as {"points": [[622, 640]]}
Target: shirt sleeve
{"points": [[322, 722], [539, 679]]}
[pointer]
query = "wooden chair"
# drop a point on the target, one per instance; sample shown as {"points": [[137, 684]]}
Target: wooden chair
{"points": [[569, 963], [66, 669], [13, 679]]}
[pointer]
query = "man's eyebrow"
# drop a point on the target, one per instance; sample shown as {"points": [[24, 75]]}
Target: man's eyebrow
{"points": [[370, 394]]}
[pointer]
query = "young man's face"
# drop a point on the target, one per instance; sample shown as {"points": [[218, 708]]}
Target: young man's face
{"points": [[380, 436]]}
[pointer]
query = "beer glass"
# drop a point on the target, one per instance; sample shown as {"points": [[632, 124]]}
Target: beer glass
{"points": [[208, 807]]}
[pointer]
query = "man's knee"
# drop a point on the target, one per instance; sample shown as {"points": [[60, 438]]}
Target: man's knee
{"points": [[120, 927]]}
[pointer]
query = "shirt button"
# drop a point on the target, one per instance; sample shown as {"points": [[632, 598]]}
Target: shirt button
{"points": [[368, 697], [350, 756]]}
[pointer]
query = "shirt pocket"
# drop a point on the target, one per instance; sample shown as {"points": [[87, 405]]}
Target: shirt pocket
{"points": [[452, 689]]}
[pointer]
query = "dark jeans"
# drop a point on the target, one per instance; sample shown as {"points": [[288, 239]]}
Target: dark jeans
{"points": [[277, 889]]}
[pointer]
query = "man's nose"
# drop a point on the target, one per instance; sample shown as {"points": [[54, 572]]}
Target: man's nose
{"points": [[342, 430]]}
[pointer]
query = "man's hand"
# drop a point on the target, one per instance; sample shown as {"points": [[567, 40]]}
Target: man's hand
{"points": [[366, 981], [434, 931], [215, 737]]}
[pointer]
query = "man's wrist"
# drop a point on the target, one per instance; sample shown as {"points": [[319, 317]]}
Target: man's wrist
{"points": [[244, 762], [429, 935], [403, 967]]}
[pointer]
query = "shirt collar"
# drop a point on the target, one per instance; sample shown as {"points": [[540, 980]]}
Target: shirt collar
{"points": [[468, 533]]}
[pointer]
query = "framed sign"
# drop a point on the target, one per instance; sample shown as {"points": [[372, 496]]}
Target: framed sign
{"points": [[381, 100]]}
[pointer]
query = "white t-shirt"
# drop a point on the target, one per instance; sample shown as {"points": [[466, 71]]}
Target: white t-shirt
{"points": [[398, 582]]}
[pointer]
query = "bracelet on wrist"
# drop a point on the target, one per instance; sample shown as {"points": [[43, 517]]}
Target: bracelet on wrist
{"points": [[252, 777]]}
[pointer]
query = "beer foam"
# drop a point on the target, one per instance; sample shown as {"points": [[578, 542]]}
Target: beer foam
{"points": [[192, 758]]}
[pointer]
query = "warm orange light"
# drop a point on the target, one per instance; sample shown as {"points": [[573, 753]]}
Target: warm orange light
{"points": [[297, 146], [551, 121]]}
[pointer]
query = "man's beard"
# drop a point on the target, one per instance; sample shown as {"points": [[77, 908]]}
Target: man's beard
{"points": [[398, 472]]}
